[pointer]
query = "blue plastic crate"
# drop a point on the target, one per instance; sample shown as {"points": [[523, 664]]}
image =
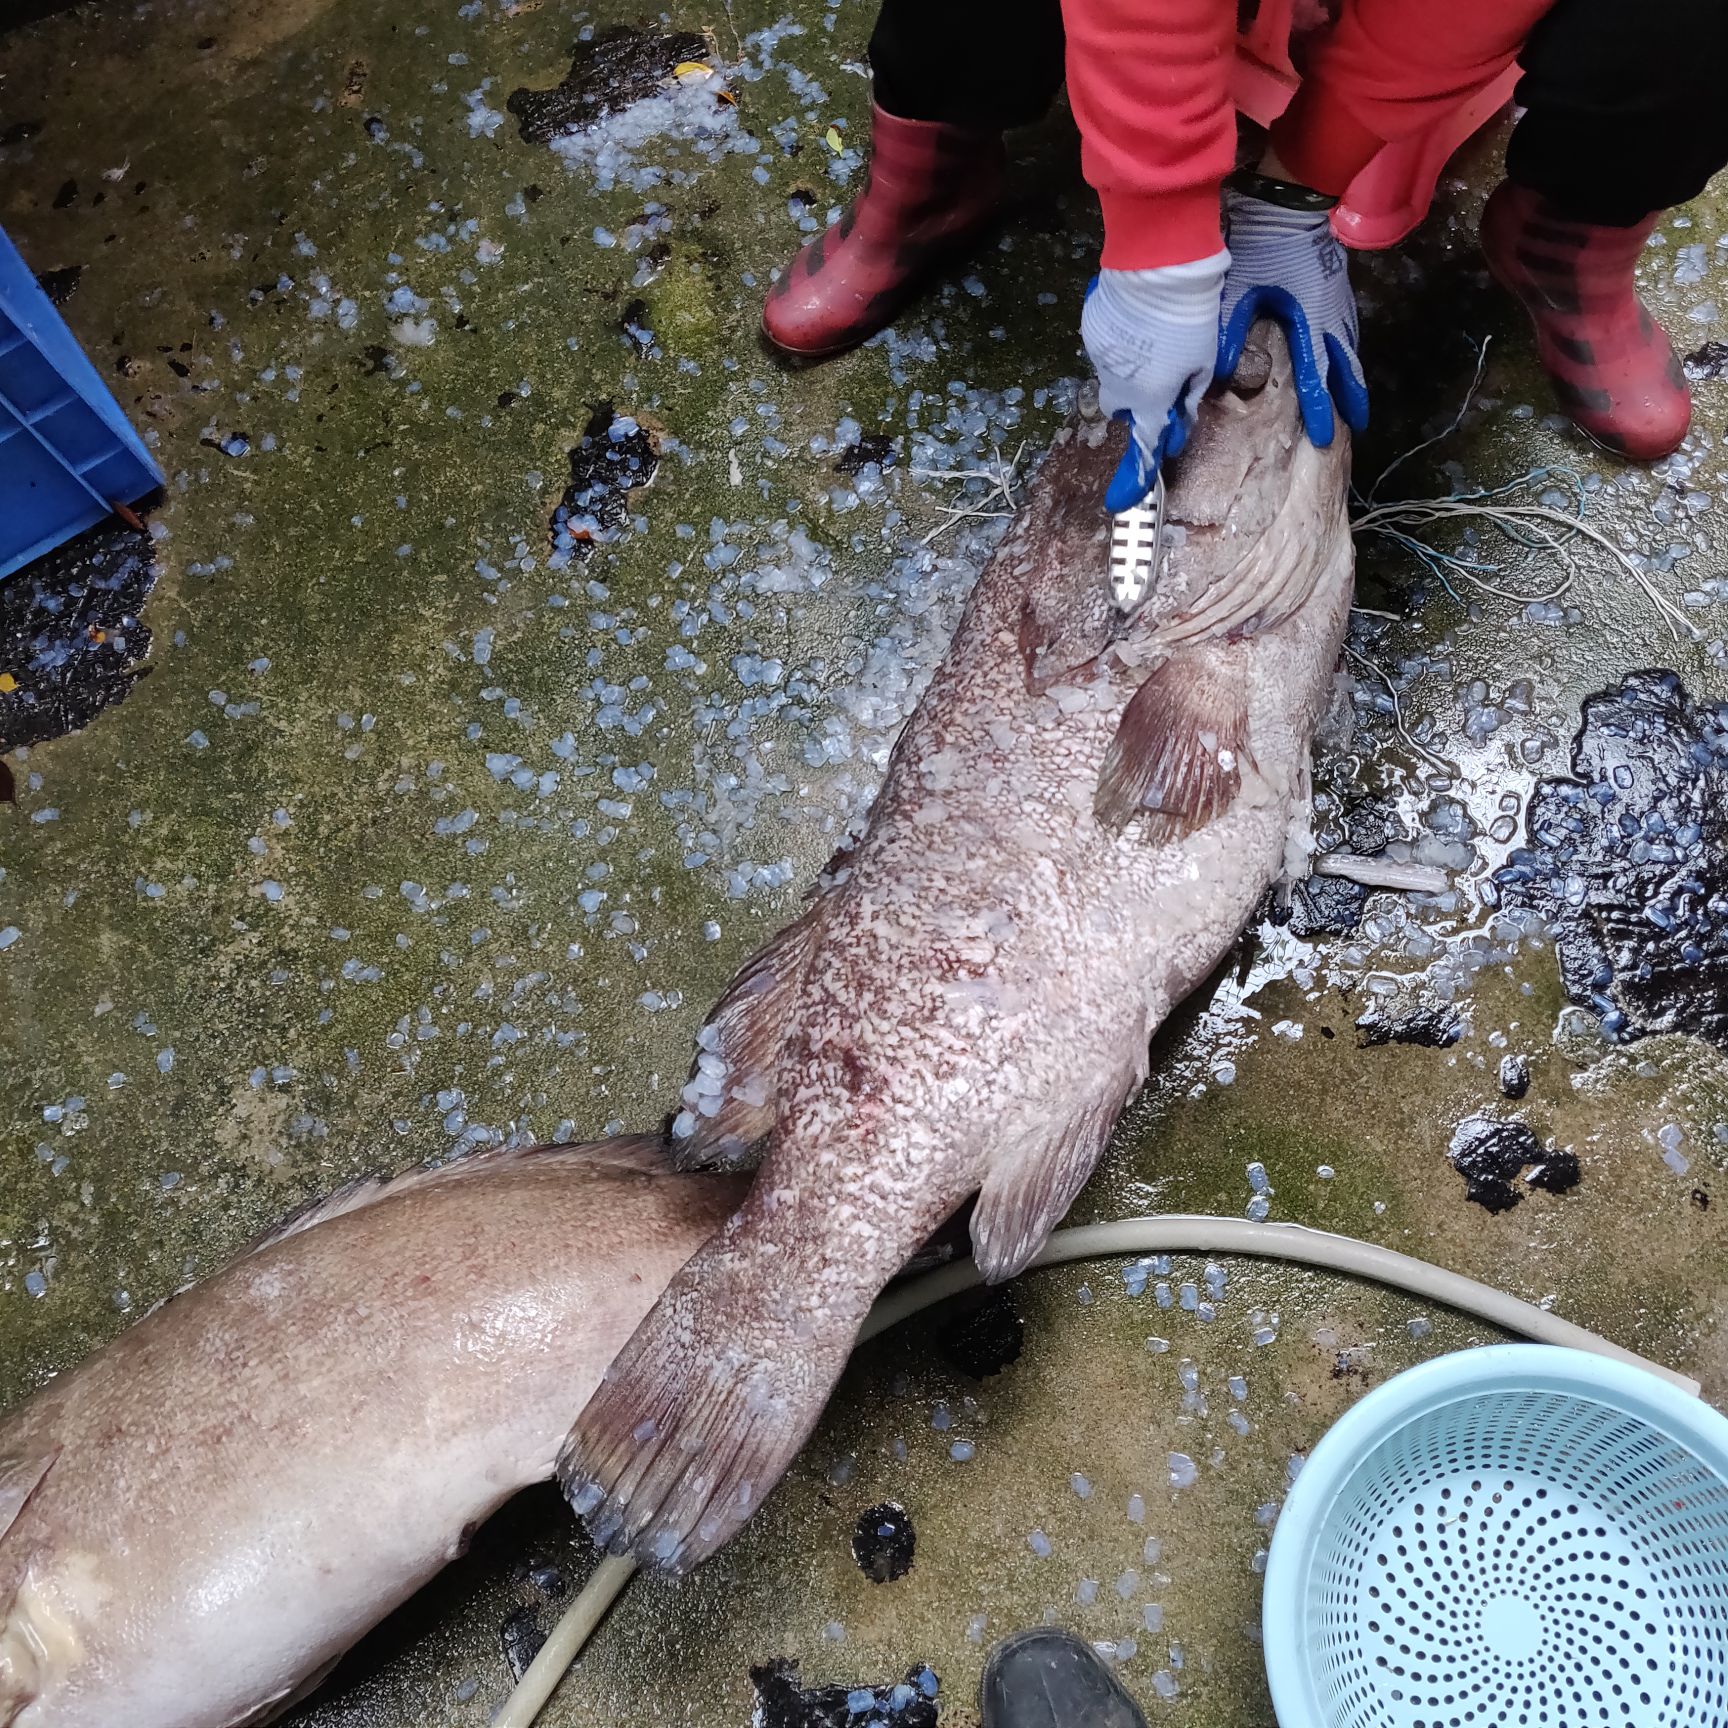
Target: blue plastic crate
{"points": [[67, 454]]}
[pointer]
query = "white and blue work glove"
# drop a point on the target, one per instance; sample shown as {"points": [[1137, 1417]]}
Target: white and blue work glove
{"points": [[1286, 264], [1152, 336]]}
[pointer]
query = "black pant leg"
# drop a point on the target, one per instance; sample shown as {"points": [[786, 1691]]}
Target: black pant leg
{"points": [[984, 63], [1627, 106]]}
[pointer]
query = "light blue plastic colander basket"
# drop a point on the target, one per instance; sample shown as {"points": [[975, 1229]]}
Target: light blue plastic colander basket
{"points": [[1514, 1537]]}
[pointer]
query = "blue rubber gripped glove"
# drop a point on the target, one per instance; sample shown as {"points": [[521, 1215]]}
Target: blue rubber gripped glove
{"points": [[1286, 264], [1152, 336]]}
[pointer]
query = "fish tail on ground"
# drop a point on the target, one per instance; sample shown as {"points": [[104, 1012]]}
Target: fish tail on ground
{"points": [[704, 1408], [697, 1419]]}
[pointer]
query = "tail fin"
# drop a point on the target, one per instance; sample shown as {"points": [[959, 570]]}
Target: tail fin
{"points": [[701, 1412]]}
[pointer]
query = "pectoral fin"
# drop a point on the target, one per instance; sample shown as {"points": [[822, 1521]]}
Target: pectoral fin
{"points": [[1177, 757], [20, 1476]]}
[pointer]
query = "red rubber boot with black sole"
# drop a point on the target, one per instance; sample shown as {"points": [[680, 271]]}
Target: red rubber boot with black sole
{"points": [[932, 188], [1612, 366]]}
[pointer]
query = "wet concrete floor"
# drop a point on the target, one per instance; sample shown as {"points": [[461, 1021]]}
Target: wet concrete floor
{"points": [[470, 763]]}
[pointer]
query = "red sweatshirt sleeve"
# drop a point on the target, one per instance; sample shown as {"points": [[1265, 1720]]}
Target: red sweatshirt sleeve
{"points": [[1148, 81], [1387, 69]]}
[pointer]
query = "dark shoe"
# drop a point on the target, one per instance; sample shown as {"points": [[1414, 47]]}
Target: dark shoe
{"points": [[1048, 1678], [1612, 365], [931, 188]]}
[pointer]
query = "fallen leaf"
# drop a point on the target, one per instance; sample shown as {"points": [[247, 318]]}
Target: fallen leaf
{"points": [[7, 683], [832, 138], [692, 69], [727, 97]]}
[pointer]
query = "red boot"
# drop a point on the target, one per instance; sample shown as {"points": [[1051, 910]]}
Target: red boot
{"points": [[1612, 365], [931, 188]]}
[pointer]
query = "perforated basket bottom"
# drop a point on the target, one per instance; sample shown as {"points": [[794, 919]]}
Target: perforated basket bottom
{"points": [[1531, 1559]]}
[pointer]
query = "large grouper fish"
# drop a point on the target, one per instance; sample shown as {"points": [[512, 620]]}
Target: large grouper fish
{"points": [[197, 1521], [1076, 823]]}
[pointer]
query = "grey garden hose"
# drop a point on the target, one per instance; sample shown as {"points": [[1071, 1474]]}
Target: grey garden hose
{"points": [[1174, 1234]]}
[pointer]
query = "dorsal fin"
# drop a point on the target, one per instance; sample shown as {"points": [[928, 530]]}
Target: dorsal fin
{"points": [[639, 1154], [730, 1098]]}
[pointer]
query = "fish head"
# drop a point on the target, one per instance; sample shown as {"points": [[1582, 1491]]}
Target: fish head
{"points": [[1223, 494]]}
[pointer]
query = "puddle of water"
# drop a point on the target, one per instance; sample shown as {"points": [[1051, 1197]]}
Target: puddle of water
{"points": [[1627, 859]]}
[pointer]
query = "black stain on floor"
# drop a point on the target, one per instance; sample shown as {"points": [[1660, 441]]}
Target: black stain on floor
{"points": [[1627, 860], [782, 1703], [617, 456], [59, 285], [608, 72], [1333, 905], [1322, 906], [1514, 1076], [985, 1338], [1430, 1028], [1492, 1153], [522, 1635], [71, 641], [884, 1542], [877, 449], [1707, 362]]}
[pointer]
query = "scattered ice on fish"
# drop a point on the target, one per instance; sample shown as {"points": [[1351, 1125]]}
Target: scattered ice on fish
{"points": [[1184, 1472]]}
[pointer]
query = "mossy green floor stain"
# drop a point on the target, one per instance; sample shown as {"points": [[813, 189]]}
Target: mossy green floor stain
{"points": [[414, 838]]}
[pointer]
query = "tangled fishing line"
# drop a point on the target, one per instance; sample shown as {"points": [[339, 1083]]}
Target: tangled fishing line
{"points": [[1525, 510]]}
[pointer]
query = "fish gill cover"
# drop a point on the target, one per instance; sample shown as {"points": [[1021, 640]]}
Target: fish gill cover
{"points": [[1628, 861]]}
